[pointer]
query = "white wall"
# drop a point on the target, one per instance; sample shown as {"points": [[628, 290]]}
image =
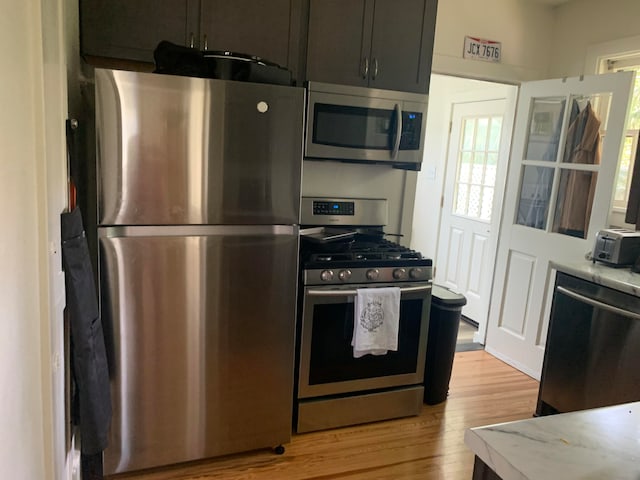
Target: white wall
{"points": [[31, 173], [53, 199], [582, 25], [523, 26], [22, 437]]}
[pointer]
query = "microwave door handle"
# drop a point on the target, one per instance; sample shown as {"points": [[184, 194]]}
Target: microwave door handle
{"points": [[353, 293], [396, 144]]}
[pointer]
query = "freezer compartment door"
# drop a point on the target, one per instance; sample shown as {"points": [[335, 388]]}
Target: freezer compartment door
{"points": [[182, 150], [200, 333]]}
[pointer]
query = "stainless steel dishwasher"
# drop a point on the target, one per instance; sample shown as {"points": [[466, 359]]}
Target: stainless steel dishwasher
{"points": [[592, 356]]}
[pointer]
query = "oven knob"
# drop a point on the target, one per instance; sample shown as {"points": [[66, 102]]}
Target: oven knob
{"points": [[344, 275], [399, 273], [416, 273], [326, 275], [373, 274]]}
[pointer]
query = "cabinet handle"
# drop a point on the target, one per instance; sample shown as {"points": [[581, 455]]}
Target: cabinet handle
{"points": [[375, 68], [205, 43], [597, 304], [365, 68], [192, 41]]}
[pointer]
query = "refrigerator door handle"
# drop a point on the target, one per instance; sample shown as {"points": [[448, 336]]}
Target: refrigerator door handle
{"points": [[195, 230]]}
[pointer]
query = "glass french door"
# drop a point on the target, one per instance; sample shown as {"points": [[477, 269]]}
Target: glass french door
{"points": [[559, 189]]}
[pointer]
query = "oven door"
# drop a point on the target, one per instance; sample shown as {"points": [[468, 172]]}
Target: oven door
{"points": [[327, 365]]}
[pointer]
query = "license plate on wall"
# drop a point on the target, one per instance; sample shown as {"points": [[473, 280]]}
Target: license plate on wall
{"points": [[481, 49]]}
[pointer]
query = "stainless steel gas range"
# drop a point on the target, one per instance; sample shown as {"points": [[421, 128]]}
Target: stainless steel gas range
{"points": [[343, 249]]}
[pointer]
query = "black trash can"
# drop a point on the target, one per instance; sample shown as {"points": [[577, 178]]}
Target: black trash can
{"points": [[444, 320]]}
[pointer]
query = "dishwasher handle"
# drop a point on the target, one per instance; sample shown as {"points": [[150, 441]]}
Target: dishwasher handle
{"points": [[597, 303]]}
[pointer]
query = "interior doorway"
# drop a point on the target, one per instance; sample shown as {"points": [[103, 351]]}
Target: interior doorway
{"points": [[460, 188]]}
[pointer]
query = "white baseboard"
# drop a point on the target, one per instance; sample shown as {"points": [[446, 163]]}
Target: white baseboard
{"points": [[513, 363]]}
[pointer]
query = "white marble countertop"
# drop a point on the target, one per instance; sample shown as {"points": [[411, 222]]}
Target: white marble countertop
{"points": [[622, 279], [602, 443]]}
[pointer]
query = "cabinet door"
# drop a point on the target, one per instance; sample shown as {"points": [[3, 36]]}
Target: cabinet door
{"points": [[339, 41], [132, 30], [402, 44], [253, 27]]}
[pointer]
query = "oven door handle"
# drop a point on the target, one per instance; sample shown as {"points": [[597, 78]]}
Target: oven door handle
{"points": [[344, 293], [596, 304]]}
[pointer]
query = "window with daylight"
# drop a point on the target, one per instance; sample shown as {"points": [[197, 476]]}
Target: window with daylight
{"points": [[477, 166], [626, 161]]}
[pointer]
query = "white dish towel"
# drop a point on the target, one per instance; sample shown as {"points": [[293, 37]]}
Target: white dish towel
{"points": [[375, 324]]}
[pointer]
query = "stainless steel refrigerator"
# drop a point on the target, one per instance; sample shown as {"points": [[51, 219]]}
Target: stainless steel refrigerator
{"points": [[198, 206]]}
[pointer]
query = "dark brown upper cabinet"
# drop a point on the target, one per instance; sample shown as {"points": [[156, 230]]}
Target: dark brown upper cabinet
{"points": [[384, 44], [253, 27], [131, 30]]}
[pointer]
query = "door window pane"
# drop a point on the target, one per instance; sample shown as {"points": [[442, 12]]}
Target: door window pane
{"points": [[465, 167], [467, 136], [587, 122], [461, 200], [535, 193], [481, 133], [487, 203], [492, 167], [494, 133], [478, 167], [575, 199], [477, 164], [544, 129], [474, 201]]}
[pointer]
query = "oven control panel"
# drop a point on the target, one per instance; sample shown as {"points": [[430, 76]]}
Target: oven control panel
{"points": [[324, 211], [336, 276], [333, 208]]}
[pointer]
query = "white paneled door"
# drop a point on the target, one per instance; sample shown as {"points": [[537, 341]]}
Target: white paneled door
{"points": [[566, 144], [474, 185]]}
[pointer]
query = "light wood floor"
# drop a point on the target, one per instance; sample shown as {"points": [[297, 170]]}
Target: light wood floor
{"points": [[483, 391]]}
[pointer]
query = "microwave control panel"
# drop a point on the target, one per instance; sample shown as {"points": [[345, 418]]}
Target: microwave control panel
{"points": [[411, 130]]}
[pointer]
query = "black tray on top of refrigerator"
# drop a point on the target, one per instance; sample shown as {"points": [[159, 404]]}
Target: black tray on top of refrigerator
{"points": [[172, 59]]}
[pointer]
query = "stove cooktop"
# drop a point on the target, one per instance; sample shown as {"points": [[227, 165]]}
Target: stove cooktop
{"points": [[361, 253], [343, 242]]}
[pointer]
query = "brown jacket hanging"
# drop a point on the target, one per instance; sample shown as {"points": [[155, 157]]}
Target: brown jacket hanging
{"points": [[577, 188]]}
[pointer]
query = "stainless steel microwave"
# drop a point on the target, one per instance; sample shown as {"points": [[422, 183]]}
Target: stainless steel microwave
{"points": [[365, 125]]}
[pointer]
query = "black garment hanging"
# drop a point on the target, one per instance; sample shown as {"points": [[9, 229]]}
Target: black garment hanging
{"points": [[90, 368], [633, 204]]}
